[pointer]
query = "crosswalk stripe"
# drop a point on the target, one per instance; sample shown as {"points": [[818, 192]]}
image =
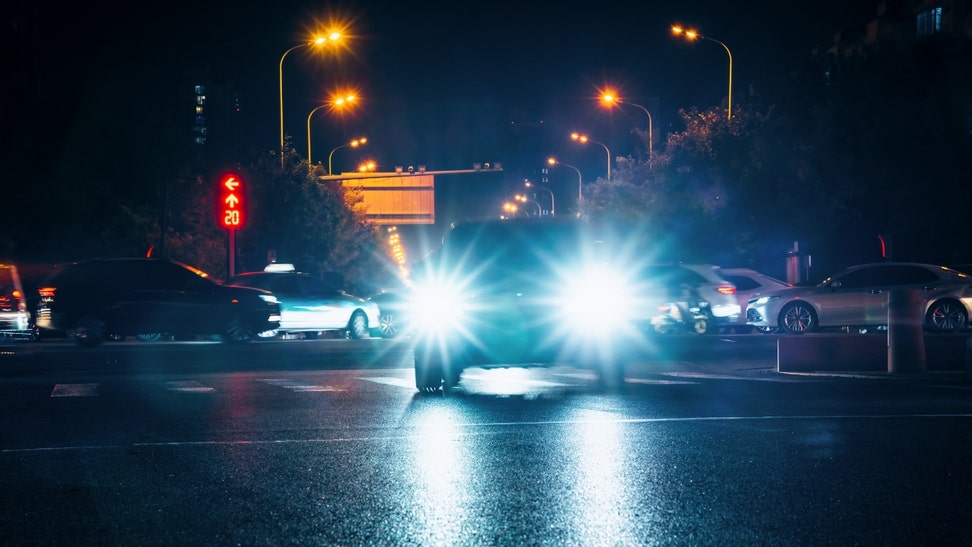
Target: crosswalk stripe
{"points": [[390, 381], [75, 390], [189, 386], [297, 386]]}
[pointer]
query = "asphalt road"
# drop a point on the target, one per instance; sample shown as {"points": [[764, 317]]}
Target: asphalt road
{"points": [[327, 442]]}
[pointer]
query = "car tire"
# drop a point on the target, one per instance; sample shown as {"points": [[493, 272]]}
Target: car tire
{"points": [[429, 375], [236, 332], [358, 326], [946, 316], [798, 318], [388, 325], [90, 331], [149, 337]]}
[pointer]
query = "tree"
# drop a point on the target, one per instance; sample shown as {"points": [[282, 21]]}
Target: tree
{"points": [[296, 218]]}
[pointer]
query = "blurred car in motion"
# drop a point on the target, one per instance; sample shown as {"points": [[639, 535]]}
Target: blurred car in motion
{"points": [[393, 305], [16, 320], [749, 284], [311, 306], [858, 297], [692, 297], [524, 292], [112, 298]]}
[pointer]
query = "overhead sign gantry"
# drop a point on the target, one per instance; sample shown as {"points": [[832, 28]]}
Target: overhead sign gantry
{"points": [[405, 196]]}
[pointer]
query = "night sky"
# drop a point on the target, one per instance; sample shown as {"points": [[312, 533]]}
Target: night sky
{"points": [[443, 86]]}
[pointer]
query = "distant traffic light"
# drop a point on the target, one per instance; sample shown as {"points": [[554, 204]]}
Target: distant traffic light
{"points": [[231, 201]]}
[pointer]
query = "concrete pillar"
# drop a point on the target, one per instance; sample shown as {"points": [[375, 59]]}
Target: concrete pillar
{"points": [[906, 335]]}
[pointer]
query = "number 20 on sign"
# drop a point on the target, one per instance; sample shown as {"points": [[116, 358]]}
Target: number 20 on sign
{"points": [[231, 200]]}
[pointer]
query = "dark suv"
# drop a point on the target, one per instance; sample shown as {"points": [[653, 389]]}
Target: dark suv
{"points": [[97, 299], [521, 293]]}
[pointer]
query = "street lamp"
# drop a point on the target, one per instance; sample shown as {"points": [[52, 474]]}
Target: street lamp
{"points": [[317, 41], [584, 139], [353, 144], [580, 182], [529, 184], [693, 35], [368, 166], [510, 208], [338, 102], [523, 199], [610, 98]]}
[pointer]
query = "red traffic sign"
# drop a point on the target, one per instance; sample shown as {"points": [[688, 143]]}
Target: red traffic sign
{"points": [[231, 201]]}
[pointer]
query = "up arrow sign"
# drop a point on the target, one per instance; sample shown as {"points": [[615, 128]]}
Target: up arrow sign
{"points": [[232, 200]]}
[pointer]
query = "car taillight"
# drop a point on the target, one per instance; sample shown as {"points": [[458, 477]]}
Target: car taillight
{"points": [[47, 292], [4, 303], [724, 289]]}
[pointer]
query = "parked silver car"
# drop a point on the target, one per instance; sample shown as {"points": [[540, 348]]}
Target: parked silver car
{"points": [[858, 297], [311, 306], [749, 284]]}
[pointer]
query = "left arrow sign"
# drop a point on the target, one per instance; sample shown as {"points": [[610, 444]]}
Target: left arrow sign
{"points": [[231, 183]]}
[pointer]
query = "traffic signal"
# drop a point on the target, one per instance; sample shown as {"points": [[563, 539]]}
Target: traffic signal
{"points": [[231, 201]]}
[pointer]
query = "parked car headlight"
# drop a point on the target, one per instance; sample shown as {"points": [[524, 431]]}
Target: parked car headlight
{"points": [[762, 300], [269, 298]]}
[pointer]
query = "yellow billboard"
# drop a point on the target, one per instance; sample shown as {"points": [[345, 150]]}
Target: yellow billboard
{"points": [[401, 199]]}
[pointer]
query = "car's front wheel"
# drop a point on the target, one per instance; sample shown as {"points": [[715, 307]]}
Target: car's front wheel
{"points": [[149, 337], [946, 316], [358, 326], [237, 332], [798, 318], [90, 331], [388, 326]]}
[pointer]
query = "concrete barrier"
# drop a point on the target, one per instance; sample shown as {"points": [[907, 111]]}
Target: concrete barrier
{"points": [[867, 353]]}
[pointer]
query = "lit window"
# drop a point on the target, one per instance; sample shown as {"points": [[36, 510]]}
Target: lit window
{"points": [[929, 22], [199, 110]]}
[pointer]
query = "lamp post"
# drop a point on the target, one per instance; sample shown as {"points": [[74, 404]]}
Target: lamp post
{"points": [[580, 181], [584, 139], [529, 184], [317, 41], [339, 102], [609, 98], [353, 144], [693, 35], [310, 163]]}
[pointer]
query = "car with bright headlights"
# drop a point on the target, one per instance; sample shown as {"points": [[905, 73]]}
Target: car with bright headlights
{"points": [[858, 297], [520, 293], [110, 298]]}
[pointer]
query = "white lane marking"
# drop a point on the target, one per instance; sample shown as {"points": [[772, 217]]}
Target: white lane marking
{"points": [[75, 390], [390, 381], [189, 386], [473, 427], [657, 381], [297, 386]]}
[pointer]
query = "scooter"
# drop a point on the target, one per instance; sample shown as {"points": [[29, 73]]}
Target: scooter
{"points": [[676, 317]]}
